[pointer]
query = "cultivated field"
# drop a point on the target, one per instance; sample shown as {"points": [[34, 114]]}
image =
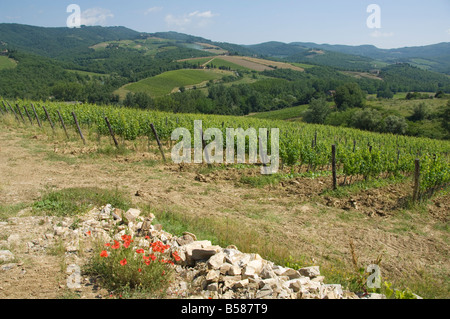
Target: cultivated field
{"points": [[239, 62], [7, 63], [171, 81]]}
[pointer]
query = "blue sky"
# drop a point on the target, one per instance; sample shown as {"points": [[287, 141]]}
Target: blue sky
{"points": [[403, 22]]}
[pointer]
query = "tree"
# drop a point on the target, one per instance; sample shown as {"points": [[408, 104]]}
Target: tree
{"points": [[395, 124], [139, 99], [317, 111], [349, 95], [420, 112], [68, 91], [367, 119], [439, 94], [385, 93]]}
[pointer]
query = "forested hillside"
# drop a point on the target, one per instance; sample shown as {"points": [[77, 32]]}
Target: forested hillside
{"points": [[116, 65]]}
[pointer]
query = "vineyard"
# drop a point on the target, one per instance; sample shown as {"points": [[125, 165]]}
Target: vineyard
{"points": [[303, 147]]}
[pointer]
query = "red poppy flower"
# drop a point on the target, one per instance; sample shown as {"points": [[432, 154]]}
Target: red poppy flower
{"points": [[123, 262], [140, 251], [176, 256], [126, 238], [126, 244], [107, 245], [104, 253], [88, 233], [116, 245]]}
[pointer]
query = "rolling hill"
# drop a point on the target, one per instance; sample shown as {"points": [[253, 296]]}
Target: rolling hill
{"points": [[56, 42], [103, 64], [171, 81], [434, 57]]}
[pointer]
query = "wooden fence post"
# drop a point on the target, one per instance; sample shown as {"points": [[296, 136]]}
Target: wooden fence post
{"points": [[78, 127], [62, 123], [35, 114], [12, 110], [4, 105], [49, 119], [20, 113], [333, 165], [416, 180], [28, 114], [111, 132], [158, 141]]}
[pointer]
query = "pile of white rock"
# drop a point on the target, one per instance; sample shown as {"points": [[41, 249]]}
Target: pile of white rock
{"points": [[206, 270]]}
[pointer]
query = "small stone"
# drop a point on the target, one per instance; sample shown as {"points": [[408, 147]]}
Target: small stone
{"points": [[319, 279], [310, 272], [204, 253], [235, 271], [291, 273], [191, 235], [6, 256], [224, 268], [212, 276], [9, 266], [184, 240], [229, 280], [132, 214], [331, 291], [241, 284], [265, 292], [216, 260], [267, 272], [213, 287], [106, 209]]}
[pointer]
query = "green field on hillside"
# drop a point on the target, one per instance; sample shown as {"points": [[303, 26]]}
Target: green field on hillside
{"points": [[165, 83], [217, 63], [289, 113], [7, 63]]}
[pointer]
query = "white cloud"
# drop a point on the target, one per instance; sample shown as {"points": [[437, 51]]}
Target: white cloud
{"points": [[95, 16], [379, 34], [196, 18], [206, 14], [152, 10]]}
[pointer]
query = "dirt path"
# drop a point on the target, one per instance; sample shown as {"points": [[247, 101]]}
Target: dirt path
{"points": [[293, 213]]}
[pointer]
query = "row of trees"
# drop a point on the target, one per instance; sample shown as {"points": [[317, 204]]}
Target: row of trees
{"points": [[349, 110]]}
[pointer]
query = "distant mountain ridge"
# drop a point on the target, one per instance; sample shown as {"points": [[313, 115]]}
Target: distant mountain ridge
{"points": [[53, 42], [435, 57], [57, 42]]}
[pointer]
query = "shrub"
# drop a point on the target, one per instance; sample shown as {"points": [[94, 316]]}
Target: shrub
{"points": [[317, 112]]}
